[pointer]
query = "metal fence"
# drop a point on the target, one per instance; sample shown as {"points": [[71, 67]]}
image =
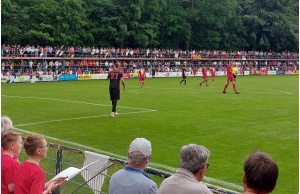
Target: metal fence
{"points": [[62, 157]]}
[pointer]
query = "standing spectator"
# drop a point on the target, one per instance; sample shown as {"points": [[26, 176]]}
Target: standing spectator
{"points": [[114, 87], [11, 143], [132, 179], [260, 174], [183, 74], [45, 51], [230, 78], [187, 179], [204, 74], [30, 177]]}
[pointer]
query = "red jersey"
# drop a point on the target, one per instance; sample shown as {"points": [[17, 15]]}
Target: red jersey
{"points": [[229, 73], [9, 167], [142, 74], [194, 70], [229, 70], [204, 72], [30, 178], [213, 71], [15, 157]]}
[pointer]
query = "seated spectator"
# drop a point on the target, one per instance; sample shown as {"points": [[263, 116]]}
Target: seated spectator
{"points": [[187, 179], [11, 143], [260, 174], [132, 179], [30, 177]]}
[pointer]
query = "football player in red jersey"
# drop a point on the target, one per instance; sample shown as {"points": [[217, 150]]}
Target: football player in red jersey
{"points": [[194, 69], [142, 75], [213, 73], [204, 72], [230, 78]]}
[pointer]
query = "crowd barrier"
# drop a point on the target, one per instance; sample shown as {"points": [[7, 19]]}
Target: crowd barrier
{"points": [[87, 76], [93, 180]]}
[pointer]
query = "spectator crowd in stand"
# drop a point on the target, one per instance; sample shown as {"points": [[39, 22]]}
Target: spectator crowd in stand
{"points": [[97, 52], [49, 60]]}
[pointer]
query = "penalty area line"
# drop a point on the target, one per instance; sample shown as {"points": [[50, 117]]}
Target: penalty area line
{"points": [[77, 118], [78, 102]]}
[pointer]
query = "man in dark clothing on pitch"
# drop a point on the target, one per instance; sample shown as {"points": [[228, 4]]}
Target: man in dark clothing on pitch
{"points": [[114, 87], [183, 74]]}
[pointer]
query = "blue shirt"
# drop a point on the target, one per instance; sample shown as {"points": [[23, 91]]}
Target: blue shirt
{"points": [[131, 181]]}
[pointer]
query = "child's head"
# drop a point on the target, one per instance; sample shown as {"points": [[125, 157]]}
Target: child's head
{"points": [[35, 143], [11, 140]]}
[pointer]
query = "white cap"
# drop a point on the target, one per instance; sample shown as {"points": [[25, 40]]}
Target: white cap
{"points": [[141, 144]]}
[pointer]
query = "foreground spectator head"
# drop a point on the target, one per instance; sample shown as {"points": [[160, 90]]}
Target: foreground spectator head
{"points": [[187, 178], [260, 173], [139, 151], [133, 179], [11, 141], [194, 158], [6, 123], [36, 145]]}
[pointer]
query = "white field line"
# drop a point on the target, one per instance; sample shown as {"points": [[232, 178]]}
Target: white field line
{"points": [[156, 165], [79, 102], [77, 118], [277, 92], [281, 91]]}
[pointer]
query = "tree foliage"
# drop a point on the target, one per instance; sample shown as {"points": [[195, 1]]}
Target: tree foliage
{"points": [[271, 24], [185, 24]]}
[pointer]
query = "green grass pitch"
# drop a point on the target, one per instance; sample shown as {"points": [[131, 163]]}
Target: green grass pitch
{"points": [[265, 116]]}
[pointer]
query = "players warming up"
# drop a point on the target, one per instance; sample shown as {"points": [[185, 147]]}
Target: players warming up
{"points": [[213, 73], [114, 87], [183, 73], [142, 75], [230, 78], [204, 73]]}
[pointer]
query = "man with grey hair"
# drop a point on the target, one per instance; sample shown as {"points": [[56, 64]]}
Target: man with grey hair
{"points": [[6, 123], [132, 179], [187, 179]]}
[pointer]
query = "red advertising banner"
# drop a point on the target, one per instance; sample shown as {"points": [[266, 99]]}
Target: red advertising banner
{"points": [[126, 75]]}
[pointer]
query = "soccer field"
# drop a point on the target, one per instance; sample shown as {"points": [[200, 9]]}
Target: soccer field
{"points": [[265, 116]]}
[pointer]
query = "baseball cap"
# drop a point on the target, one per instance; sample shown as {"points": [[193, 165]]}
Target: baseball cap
{"points": [[141, 144]]}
